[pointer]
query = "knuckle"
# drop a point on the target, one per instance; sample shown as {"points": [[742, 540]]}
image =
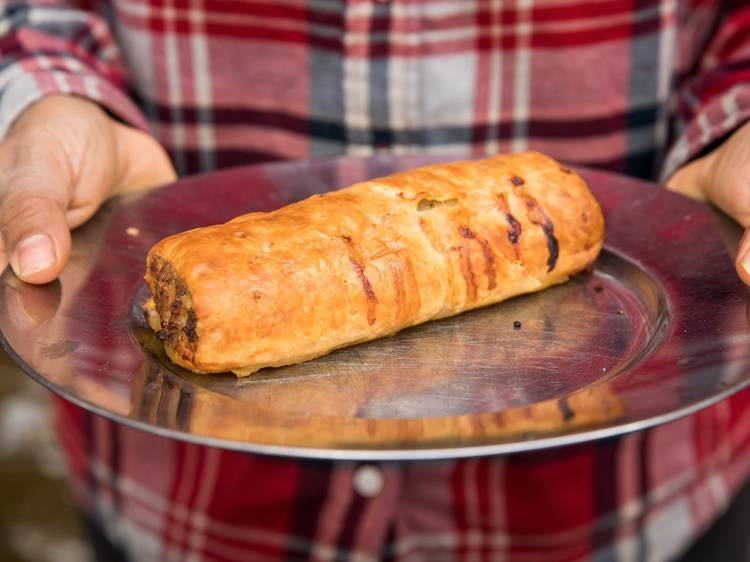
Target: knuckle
{"points": [[23, 175], [26, 182], [35, 156], [31, 185], [21, 211]]}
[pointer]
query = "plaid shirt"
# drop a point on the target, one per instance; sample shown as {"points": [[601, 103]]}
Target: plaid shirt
{"points": [[635, 86]]}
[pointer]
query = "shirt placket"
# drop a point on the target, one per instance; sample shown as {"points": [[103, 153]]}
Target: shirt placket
{"points": [[380, 79], [358, 520], [356, 72], [404, 76]]}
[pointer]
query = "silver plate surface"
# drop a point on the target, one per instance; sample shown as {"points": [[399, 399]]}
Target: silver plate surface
{"points": [[659, 328]]}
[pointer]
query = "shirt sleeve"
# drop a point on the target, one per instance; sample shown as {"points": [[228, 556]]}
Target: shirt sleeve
{"points": [[715, 99], [56, 47]]}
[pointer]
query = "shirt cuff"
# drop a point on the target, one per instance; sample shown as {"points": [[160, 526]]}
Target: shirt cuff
{"points": [[24, 88], [717, 119]]}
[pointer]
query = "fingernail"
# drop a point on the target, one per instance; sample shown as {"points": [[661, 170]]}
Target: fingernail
{"points": [[35, 253]]}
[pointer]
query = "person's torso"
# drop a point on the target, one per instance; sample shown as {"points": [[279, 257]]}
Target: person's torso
{"points": [[228, 82]]}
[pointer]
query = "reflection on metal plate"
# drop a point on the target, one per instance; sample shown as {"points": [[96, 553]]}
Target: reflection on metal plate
{"points": [[656, 330]]}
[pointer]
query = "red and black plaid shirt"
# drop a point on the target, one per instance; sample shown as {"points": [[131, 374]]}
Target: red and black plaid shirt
{"points": [[635, 86]]}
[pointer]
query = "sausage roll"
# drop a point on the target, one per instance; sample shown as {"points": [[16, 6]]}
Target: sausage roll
{"points": [[339, 268]]}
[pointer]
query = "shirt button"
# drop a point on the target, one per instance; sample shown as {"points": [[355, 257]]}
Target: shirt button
{"points": [[368, 481]]}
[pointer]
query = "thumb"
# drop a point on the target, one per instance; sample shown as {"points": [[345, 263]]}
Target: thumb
{"points": [[35, 234]]}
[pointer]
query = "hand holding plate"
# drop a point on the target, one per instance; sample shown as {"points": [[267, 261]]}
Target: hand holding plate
{"points": [[59, 161], [723, 177]]}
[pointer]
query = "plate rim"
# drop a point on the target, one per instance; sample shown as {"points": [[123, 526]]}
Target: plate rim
{"points": [[584, 434]]}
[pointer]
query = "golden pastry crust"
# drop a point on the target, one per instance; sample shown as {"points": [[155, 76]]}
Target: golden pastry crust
{"points": [[272, 289]]}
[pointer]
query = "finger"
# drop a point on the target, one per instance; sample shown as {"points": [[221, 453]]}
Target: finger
{"points": [[689, 180], [34, 227], [33, 197], [143, 162]]}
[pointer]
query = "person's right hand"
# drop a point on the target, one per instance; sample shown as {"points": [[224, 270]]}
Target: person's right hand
{"points": [[62, 157]]}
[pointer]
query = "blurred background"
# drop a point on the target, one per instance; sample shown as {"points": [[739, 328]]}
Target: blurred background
{"points": [[38, 522]]}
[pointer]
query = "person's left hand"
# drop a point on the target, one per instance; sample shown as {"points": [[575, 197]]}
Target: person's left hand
{"points": [[723, 177]]}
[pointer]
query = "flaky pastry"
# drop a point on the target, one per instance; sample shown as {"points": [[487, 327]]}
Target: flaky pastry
{"points": [[339, 268]]}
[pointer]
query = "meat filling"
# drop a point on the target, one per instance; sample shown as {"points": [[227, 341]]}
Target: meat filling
{"points": [[171, 315]]}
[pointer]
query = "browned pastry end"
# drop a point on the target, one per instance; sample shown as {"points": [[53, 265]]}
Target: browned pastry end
{"points": [[272, 289]]}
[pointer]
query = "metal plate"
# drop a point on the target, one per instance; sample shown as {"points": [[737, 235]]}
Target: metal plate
{"points": [[657, 330]]}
